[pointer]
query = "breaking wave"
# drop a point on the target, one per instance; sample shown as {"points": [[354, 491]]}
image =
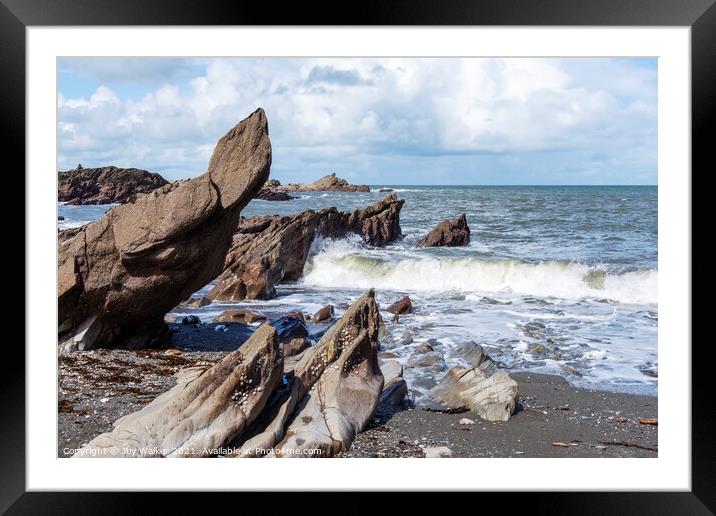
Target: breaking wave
{"points": [[344, 264]]}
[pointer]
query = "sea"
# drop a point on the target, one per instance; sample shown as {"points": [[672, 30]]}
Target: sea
{"points": [[556, 279]]}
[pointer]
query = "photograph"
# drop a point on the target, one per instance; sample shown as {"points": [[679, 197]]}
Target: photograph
{"points": [[357, 257]]}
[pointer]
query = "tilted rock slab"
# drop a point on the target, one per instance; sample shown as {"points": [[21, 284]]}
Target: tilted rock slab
{"points": [[333, 393], [205, 410], [120, 274], [269, 249], [449, 233]]}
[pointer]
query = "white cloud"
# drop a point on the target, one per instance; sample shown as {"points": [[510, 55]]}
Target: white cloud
{"points": [[328, 110]]}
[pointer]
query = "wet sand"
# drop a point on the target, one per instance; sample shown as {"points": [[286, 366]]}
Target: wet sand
{"points": [[589, 423]]}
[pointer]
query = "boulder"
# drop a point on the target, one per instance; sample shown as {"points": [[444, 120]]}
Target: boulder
{"points": [[395, 387], [120, 274], [239, 316], [323, 315], [426, 355], [269, 249], [332, 394], [386, 190], [105, 185], [449, 233], [329, 183], [491, 394], [404, 305], [207, 408]]}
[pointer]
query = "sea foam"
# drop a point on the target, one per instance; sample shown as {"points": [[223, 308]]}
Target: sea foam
{"points": [[344, 264]]}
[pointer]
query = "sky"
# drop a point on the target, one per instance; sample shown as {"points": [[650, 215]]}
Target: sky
{"points": [[378, 121]]}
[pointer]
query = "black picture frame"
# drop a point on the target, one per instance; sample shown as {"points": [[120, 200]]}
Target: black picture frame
{"points": [[700, 15]]}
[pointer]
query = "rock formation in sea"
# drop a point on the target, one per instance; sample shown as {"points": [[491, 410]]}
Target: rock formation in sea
{"points": [[105, 185], [273, 194], [449, 233], [404, 305], [329, 183], [119, 275], [251, 401], [484, 389], [269, 249]]}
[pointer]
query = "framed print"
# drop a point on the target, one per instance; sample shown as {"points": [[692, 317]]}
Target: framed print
{"points": [[451, 245]]}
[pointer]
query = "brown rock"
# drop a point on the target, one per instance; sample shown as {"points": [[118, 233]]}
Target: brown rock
{"points": [[105, 185], [120, 274], [404, 305], [269, 249], [239, 316], [448, 233], [324, 314], [295, 346]]}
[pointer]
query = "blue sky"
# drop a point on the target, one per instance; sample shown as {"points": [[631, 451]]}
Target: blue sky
{"points": [[370, 120]]}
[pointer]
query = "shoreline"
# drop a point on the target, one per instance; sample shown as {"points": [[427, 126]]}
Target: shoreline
{"points": [[98, 387]]}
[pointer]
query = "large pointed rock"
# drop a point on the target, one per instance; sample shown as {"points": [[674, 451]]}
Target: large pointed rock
{"points": [[269, 249], [119, 275], [204, 411], [333, 392]]}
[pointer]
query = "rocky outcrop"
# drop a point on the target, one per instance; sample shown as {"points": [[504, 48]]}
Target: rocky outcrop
{"points": [[269, 249], [329, 183], [105, 185], [120, 274], [490, 393], [205, 410], [325, 314], [333, 392], [251, 403], [449, 233]]}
